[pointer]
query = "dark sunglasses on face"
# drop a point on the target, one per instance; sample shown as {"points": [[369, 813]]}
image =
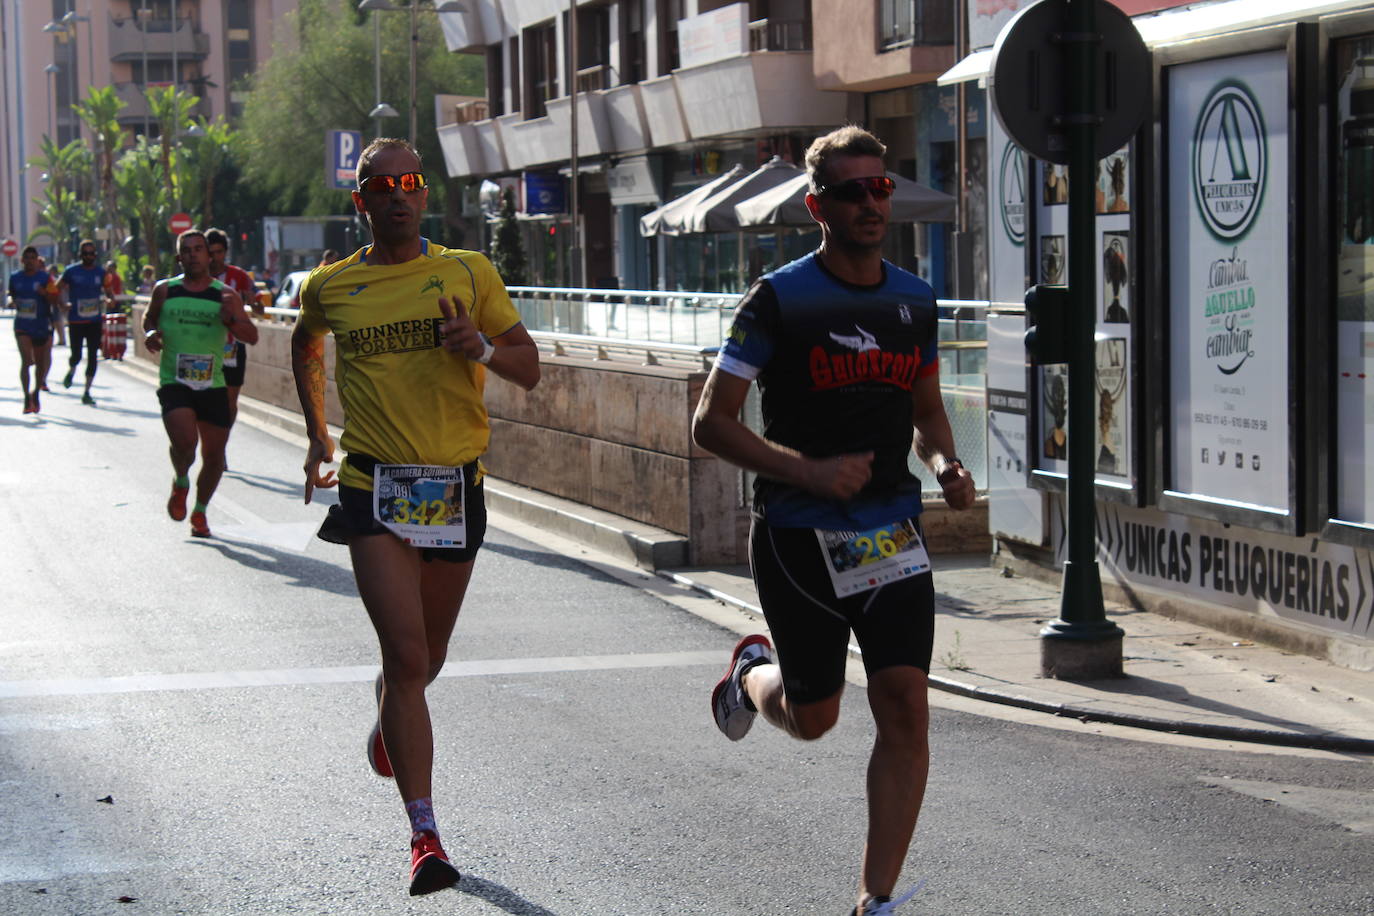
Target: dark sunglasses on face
{"points": [[879, 187], [386, 184]]}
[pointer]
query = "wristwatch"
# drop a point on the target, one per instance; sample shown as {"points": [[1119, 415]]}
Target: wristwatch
{"points": [[944, 475], [488, 348]]}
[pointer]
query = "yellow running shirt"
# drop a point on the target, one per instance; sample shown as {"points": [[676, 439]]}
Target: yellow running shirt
{"points": [[406, 400]]}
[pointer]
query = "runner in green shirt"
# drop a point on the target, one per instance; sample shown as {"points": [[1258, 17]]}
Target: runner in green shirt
{"points": [[188, 321]]}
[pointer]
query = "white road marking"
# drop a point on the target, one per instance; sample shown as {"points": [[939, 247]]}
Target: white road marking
{"points": [[287, 677]]}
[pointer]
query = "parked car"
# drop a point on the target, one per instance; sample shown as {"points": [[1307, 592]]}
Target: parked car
{"points": [[289, 296]]}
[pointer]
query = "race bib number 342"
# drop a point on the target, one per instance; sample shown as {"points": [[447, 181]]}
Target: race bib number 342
{"points": [[861, 560], [420, 504]]}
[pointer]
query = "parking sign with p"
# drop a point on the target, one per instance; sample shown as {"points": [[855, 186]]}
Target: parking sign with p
{"points": [[341, 151]]}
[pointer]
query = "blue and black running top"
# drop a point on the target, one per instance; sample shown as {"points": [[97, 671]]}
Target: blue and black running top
{"points": [[33, 316], [835, 364], [85, 293]]}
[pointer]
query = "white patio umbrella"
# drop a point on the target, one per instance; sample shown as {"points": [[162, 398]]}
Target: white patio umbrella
{"points": [[717, 212], [785, 205], [664, 219]]}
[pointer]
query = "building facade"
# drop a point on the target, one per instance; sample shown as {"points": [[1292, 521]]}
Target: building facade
{"points": [[671, 93], [52, 51]]}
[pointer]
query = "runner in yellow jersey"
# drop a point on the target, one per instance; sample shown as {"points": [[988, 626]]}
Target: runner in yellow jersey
{"points": [[416, 328]]}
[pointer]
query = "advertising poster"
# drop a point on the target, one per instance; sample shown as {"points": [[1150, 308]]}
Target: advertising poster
{"points": [[1355, 283], [1112, 382], [1054, 260], [1228, 280], [1116, 275], [1054, 418], [1008, 217], [1114, 183], [1014, 509]]}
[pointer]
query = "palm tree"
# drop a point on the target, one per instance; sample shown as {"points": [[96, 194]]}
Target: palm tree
{"points": [[172, 111], [142, 191], [100, 111], [65, 166], [62, 215], [208, 153]]}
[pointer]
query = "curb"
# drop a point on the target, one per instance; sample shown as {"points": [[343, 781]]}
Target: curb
{"points": [[1324, 742]]}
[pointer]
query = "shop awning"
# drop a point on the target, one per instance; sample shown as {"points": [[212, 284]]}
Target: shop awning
{"points": [[717, 212], [785, 205], [1195, 22], [665, 218]]}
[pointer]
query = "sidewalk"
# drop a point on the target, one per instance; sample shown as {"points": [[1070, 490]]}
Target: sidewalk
{"points": [[1180, 677]]}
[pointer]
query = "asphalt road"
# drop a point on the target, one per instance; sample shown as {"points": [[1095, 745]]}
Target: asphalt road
{"points": [[182, 723]]}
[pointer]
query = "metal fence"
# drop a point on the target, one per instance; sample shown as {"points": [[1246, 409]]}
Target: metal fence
{"points": [[651, 322]]}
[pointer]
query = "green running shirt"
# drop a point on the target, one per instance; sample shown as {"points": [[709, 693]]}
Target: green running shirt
{"points": [[193, 336]]}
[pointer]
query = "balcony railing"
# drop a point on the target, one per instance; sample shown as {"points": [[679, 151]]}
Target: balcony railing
{"points": [[780, 35], [903, 23], [590, 79], [130, 39]]}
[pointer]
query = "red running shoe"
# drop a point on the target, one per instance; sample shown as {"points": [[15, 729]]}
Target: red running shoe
{"points": [[200, 528], [430, 869], [176, 504], [376, 748]]}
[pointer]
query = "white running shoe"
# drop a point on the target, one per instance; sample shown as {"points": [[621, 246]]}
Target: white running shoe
{"points": [[732, 716], [886, 906]]}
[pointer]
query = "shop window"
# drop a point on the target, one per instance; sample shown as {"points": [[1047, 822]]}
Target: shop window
{"points": [[1354, 446], [593, 48], [541, 69], [669, 12], [496, 83], [632, 43], [902, 23]]}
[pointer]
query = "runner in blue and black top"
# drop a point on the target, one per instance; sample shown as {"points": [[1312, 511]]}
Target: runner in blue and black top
{"points": [[83, 285], [30, 293], [843, 347]]}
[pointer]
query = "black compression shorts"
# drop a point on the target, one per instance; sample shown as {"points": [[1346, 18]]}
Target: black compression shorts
{"points": [[894, 624], [211, 405], [233, 375]]}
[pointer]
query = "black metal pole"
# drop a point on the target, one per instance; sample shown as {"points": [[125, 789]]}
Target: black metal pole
{"points": [[1085, 638]]}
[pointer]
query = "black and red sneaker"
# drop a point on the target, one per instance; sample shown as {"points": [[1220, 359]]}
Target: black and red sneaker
{"points": [[430, 869]]}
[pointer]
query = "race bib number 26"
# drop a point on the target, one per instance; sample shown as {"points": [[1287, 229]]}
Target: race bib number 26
{"points": [[863, 560]]}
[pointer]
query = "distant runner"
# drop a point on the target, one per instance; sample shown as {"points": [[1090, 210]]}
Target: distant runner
{"points": [[30, 290], [187, 321], [84, 286]]}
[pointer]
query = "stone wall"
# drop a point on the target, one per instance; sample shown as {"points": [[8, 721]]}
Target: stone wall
{"points": [[609, 434]]}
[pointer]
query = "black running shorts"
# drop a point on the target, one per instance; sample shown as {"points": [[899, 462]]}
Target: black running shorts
{"points": [[893, 624], [211, 405], [353, 517], [233, 375]]}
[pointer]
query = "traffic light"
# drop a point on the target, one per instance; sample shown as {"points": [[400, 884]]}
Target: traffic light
{"points": [[1047, 311]]}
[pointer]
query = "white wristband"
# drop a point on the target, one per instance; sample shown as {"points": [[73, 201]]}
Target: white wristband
{"points": [[488, 348]]}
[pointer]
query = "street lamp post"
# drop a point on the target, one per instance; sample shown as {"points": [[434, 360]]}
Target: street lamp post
{"points": [[413, 7], [143, 14], [52, 70], [381, 109]]}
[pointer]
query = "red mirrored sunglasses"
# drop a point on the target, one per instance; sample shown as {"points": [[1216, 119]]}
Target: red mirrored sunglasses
{"points": [[878, 187], [385, 184]]}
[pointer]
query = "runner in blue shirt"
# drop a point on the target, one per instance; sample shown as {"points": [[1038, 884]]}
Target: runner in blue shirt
{"points": [[30, 289], [84, 286]]}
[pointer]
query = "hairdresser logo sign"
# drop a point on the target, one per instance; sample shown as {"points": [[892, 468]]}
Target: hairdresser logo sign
{"points": [[1229, 160], [1228, 280]]}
